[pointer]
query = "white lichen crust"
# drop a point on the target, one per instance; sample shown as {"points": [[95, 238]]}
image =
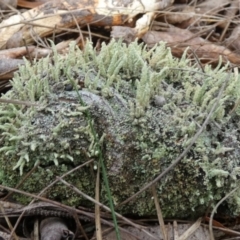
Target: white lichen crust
{"points": [[145, 106]]}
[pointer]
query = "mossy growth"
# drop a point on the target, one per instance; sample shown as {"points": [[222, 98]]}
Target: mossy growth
{"points": [[145, 106]]}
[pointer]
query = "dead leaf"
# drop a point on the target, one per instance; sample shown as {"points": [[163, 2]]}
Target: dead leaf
{"points": [[53, 17], [233, 41], [29, 4], [9, 65], [185, 14], [180, 39], [211, 6]]}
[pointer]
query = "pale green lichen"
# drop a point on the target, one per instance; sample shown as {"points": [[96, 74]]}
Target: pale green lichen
{"points": [[145, 106]]}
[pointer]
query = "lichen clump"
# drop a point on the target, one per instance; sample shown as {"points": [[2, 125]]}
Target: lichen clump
{"points": [[145, 106]]}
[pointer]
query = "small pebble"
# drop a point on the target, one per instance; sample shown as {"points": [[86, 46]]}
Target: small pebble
{"points": [[159, 101], [68, 87]]}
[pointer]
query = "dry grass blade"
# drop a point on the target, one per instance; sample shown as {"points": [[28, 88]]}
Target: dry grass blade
{"points": [[8, 222], [175, 230], [18, 102], [215, 209], [159, 214], [80, 212], [60, 205], [79, 226], [105, 208], [36, 230], [227, 231], [191, 230]]}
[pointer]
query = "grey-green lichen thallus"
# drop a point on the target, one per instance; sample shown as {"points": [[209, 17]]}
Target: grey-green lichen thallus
{"points": [[145, 106]]}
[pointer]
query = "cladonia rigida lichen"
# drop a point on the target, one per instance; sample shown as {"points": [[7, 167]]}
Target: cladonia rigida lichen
{"points": [[145, 106]]}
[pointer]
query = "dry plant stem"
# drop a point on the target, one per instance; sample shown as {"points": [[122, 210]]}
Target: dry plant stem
{"points": [[6, 236], [60, 205], [177, 160], [45, 189], [68, 30], [80, 32], [104, 232], [97, 207], [159, 214], [89, 33], [5, 230], [105, 207], [215, 209], [231, 11], [197, 60], [8, 222], [4, 3], [36, 230], [190, 230], [208, 15], [175, 230], [198, 34], [25, 103], [71, 209], [59, 28], [225, 230], [79, 226], [28, 52]]}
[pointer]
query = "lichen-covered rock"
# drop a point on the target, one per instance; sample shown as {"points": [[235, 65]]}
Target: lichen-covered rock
{"points": [[145, 107]]}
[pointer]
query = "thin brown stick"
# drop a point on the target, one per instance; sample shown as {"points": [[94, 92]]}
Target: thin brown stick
{"points": [[159, 214], [104, 207], [215, 209], [8, 223], [71, 209]]}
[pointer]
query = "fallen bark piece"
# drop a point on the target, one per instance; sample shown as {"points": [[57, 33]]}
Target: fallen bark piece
{"points": [[145, 107], [29, 4]]}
